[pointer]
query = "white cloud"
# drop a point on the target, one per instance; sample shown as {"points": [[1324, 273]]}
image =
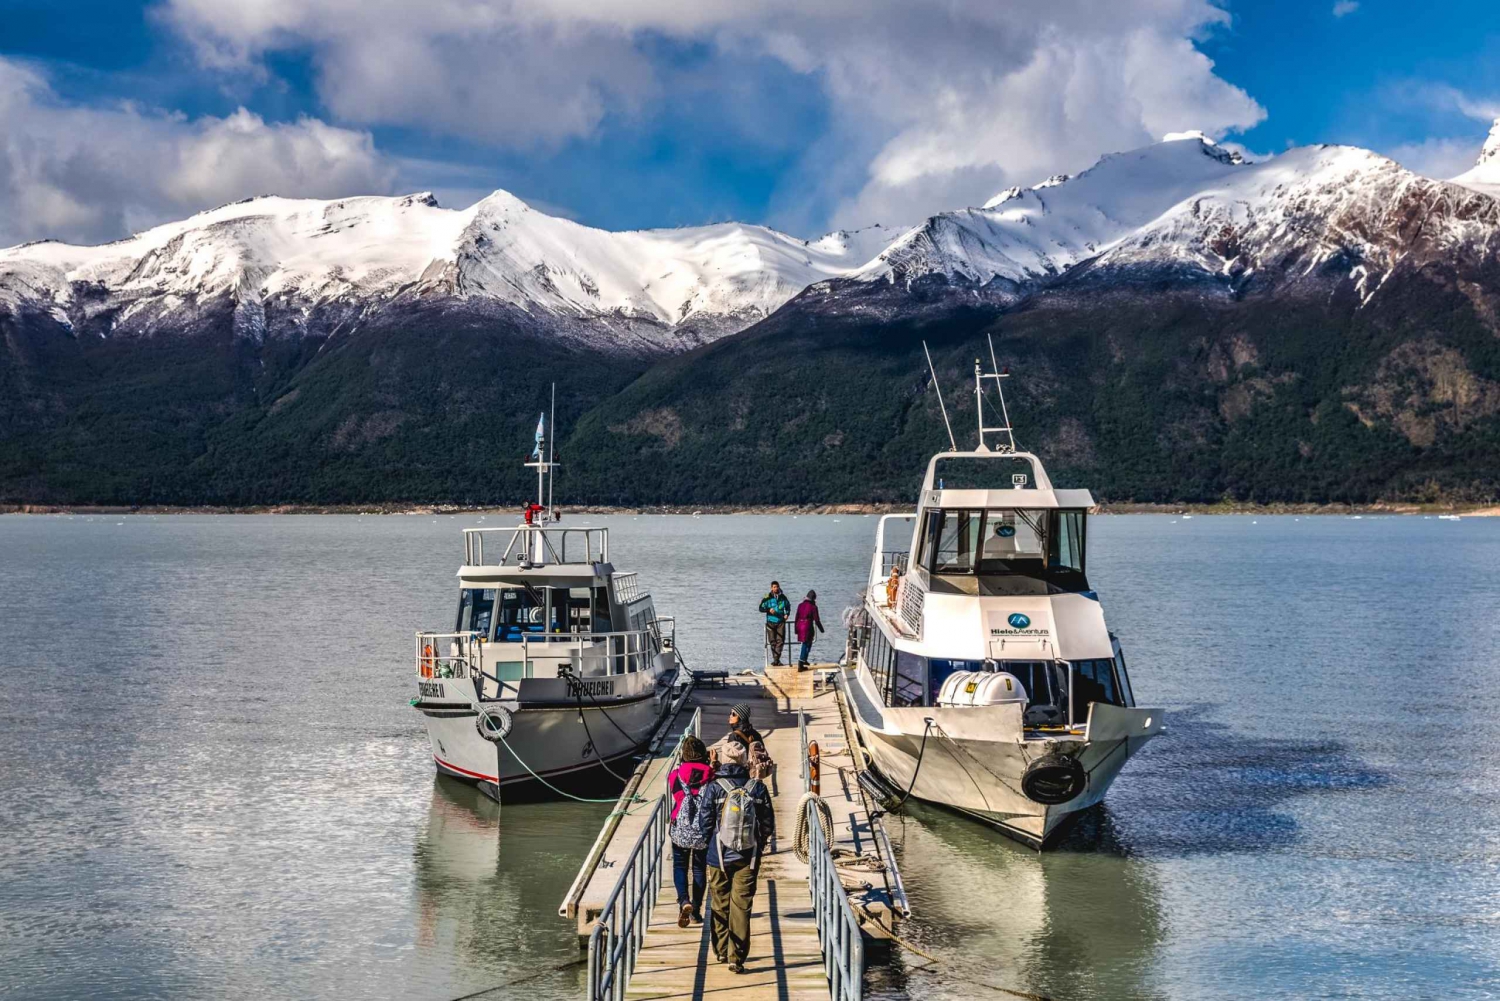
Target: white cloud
{"points": [[1344, 7], [1439, 158], [930, 105], [97, 173]]}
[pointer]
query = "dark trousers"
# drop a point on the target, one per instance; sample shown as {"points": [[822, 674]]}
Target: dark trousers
{"points": [[732, 891], [776, 639], [685, 861]]}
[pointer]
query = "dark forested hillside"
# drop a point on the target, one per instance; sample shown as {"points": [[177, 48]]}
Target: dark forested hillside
{"points": [[1149, 386]]}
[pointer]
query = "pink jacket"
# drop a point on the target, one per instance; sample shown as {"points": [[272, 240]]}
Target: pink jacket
{"points": [[690, 775]]}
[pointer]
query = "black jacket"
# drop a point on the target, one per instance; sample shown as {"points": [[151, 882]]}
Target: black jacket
{"points": [[712, 801]]}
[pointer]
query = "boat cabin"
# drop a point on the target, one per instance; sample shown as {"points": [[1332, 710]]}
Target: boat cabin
{"points": [[991, 526]]}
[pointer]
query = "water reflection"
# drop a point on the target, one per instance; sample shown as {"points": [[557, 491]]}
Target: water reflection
{"points": [[1208, 788], [489, 879], [1064, 924]]}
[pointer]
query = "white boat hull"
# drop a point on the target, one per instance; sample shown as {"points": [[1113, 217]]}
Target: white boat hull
{"points": [[974, 757], [550, 738]]}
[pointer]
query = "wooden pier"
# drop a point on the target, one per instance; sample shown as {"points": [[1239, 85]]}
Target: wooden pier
{"points": [[786, 959]]}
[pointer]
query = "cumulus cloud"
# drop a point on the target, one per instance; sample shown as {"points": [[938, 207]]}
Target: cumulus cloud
{"points": [[84, 173], [930, 105]]}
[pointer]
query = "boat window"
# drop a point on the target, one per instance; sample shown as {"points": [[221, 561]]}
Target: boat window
{"points": [[475, 607], [572, 609], [1065, 546], [1096, 683], [878, 659], [1011, 535], [520, 612], [909, 682], [602, 623], [1123, 677], [993, 472], [1032, 674], [957, 534]]}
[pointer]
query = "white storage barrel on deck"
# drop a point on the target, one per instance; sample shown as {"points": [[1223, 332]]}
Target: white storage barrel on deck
{"points": [[981, 688]]}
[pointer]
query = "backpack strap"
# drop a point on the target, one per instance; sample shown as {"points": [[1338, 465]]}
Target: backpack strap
{"points": [[727, 785]]}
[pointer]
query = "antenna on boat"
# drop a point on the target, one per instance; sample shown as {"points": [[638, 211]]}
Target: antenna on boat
{"points": [[552, 480], [939, 389], [999, 375]]}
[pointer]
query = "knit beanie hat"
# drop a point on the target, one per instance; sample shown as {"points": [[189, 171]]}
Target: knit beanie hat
{"points": [[732, 752], [740, 711]]}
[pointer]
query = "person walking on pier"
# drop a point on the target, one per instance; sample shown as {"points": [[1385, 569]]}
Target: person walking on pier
{"points": [[809, 624], [736, 818], [689, 846], [776, 609]]}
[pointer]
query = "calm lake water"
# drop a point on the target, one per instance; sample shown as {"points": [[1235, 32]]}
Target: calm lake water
{"points": [[212, 785]]}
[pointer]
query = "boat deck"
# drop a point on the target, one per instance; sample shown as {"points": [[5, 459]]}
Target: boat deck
{"points": [[785, 959]]}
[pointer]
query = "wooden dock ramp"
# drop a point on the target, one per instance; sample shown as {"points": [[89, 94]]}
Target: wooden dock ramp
{"points": [[786, 958]]}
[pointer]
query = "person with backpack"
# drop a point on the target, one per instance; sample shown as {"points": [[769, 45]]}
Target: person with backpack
{"points": [[685, 785], [736, 818]]}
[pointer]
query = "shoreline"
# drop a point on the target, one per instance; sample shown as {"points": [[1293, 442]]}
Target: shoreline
{"points": [[1222, 508]]}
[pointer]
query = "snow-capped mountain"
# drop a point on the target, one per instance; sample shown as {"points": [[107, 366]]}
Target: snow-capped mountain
{"points": [[664, 288], [292, 267], [1484, 176], [1189, 204]]}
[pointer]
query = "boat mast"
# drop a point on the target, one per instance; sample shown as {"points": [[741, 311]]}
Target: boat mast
{"points": [[541, 456], [999, 375]]}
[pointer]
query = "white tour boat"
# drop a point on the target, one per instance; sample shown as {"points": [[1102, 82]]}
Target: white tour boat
{"points": [[557, 665], [981, 674]]}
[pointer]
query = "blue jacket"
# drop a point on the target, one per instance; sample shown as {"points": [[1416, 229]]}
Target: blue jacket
{"points": [[776, 607], [712, 801]]}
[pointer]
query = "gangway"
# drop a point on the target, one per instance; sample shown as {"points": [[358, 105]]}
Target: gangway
{"points": [[811, 920]]}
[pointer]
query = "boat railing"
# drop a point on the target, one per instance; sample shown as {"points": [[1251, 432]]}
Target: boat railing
{"points": [[591, 655], [449, 655], [615, 943], [536, 545], [838, 929], [628, 587]]}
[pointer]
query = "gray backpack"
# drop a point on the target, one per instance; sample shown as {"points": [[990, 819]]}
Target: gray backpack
{"points": [[739, 824]]}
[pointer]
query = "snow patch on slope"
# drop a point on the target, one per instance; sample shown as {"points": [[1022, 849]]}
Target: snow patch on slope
{"points": [[1484, 176]]}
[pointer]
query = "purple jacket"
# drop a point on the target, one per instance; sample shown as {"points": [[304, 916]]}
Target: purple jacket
{"points": [[808, 619], [690, 776]]}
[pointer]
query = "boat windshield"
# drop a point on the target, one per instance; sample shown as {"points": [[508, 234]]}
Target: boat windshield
{"points": [[1001, 541]]}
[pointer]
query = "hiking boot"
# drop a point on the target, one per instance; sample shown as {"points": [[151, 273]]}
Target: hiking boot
{"points": [[736, 967], [697, 917], [684, 914]]}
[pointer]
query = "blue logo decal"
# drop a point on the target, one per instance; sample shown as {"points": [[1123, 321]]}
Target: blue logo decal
{"points": [[1018, 621], [1005, 531]]}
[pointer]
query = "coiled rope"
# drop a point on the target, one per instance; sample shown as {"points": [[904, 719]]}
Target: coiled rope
{"points": [[802, 844]]}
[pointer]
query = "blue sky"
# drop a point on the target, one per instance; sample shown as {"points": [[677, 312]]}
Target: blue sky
{"points": [[114, 116]]}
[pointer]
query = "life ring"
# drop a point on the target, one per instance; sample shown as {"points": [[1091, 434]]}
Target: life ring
{"points": [[428, 661], [1054, 778]]}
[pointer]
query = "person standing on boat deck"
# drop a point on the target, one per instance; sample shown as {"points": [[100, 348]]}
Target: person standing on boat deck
{"points": [[776, 609], [685, 785], [736, 818], [809, 624]]}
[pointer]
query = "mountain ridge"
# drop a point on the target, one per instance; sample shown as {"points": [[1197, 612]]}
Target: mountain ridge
{"points": [[1320, 326]]}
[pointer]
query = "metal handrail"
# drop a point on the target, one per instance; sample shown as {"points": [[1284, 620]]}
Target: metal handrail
{"points": [[528, 540], [628, 587], [620, 931], [454, 655], [802, 732], [838, 929]]}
